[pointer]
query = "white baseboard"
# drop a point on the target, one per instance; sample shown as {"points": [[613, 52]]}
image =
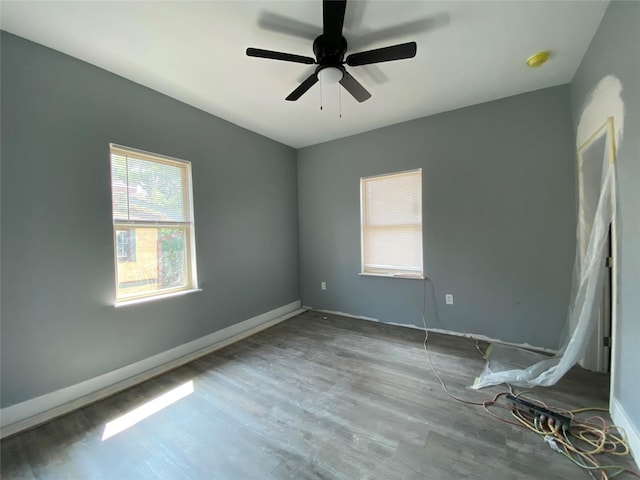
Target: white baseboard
{"points": [[621, 418], [438, 330], [484, 338], [35, 411]]}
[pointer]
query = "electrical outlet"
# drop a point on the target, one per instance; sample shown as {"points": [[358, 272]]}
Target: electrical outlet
{"points": [[323, 285], [449, 298]]}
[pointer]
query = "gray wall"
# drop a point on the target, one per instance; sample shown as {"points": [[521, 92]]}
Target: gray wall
{"points": [[499, 219], [614, 50], [58, 323]]}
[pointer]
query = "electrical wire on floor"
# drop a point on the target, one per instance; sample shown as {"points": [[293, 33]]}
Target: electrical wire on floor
{"points": [[591, 436]]}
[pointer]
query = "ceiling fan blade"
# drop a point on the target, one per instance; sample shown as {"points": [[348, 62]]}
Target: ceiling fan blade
{"points": [[287, 57], [303, 87], [361, 40], [333, 19], [354, 87], [287, 26], [386, 54]]}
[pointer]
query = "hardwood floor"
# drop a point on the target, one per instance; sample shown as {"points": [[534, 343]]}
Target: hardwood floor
{"points": [[316, 397]]}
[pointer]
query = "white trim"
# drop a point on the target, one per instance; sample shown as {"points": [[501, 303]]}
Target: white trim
{"points": [[186, 224], [409, 276], [35, 411], [444, 332], [366, 228], [144, 155], [613, 364], [153, 298], [484, 338], [622, 419], [403, 173]]}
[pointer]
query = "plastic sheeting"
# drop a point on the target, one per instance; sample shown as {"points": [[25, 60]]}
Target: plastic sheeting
{"points": [[596, 207]]}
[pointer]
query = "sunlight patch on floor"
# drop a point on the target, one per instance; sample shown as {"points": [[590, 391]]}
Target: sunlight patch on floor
{"points": [[129, 419]]}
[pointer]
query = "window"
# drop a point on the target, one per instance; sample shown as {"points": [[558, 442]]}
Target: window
{"points": [[391, 224], [126, 245], [154, 241]]}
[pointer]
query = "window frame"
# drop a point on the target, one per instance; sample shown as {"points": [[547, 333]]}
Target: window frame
{"points": [[187, 227], [416, 272]]}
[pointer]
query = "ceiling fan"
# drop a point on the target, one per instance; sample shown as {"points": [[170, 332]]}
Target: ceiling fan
{"points": [[330, 48]]}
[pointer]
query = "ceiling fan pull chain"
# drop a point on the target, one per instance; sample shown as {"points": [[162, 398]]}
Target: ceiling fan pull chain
{"points": [[320, 95], [340, 100]]}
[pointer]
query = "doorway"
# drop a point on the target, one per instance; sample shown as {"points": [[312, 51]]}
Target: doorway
{"points": [[595, 156]]}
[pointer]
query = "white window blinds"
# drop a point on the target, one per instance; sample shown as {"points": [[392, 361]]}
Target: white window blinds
{"points": [[391, 224], [149, 188]]}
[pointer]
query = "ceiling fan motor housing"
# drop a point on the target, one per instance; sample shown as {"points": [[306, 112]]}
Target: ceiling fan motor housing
{"points": [[328, 52]]}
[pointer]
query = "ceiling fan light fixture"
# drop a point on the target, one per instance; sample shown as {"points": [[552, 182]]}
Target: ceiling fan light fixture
{"points": [[330, 75]]}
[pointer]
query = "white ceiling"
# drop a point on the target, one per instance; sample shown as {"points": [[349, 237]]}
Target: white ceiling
{"points": [[468, 52]]}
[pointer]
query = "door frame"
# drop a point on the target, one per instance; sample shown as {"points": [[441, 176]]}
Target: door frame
{"points": [[596, 355]]}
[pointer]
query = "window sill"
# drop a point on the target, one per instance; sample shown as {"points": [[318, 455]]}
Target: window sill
{"points": [[126, 303], [407, 276]]}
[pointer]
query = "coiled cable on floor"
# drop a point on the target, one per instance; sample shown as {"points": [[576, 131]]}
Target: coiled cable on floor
{"points": [[591, 436]]}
